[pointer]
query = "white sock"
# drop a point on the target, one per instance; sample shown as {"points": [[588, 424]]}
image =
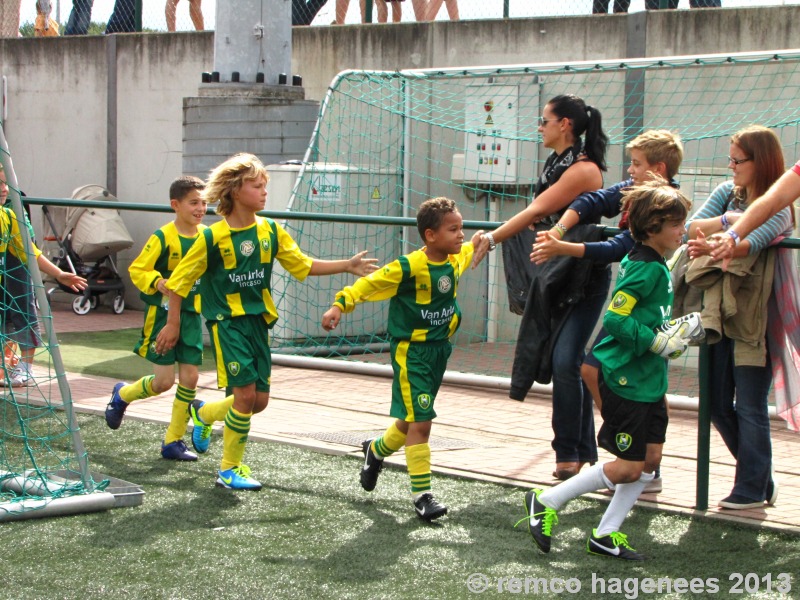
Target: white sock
{"points": [[625, 496], [588, 480]]}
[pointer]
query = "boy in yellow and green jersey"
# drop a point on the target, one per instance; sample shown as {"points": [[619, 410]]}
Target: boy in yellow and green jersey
{"points": [[235, 258], [423, 316], [150, 273]]}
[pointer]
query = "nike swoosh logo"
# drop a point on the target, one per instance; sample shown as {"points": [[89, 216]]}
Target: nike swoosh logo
{"points": [[615, 551], [226, 480], [420, 512], [535, 522]]}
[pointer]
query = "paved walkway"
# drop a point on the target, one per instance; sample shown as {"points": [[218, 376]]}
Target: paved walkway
{"points": [[479, 434]]}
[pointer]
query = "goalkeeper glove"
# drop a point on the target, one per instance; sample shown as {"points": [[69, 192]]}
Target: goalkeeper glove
{"points": [[689, 327], [668, 345]]}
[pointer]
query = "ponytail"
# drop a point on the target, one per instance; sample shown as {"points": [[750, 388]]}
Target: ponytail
{"points": [[586, 121]]}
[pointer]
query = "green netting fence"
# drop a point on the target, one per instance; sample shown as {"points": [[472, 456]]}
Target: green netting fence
{"points": [[386, 141]]}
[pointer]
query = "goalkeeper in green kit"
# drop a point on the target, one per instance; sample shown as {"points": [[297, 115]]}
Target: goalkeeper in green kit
{"points": [[633, 377]]}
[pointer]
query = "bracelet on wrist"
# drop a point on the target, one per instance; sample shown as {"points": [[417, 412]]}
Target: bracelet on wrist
{"points": [[724, 220], [733, 235], [492, 244], [561, 229]]}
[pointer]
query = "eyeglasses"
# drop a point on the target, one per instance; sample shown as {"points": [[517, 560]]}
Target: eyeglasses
{"points": [[542, 121], [738, 161]]}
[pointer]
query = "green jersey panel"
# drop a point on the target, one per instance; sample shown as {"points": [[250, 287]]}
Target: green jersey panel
{"points": [[641, 302], [158, 259], [422, 295], [236, 264]]}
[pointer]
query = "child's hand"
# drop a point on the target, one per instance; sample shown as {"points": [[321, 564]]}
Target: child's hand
{"points": [[331, 318], [481, 248], [362, 266], [72, 281], [161, 286], [700, 245], [167, 338], [545, 248]]}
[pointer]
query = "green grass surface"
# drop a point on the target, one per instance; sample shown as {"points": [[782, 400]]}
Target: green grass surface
{"points": [[313, 533], [106, 353]]}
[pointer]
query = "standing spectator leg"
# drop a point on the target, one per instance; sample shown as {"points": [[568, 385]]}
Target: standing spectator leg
{"points": [[196, 14], [170, 9], [9, 18], [123, 19], [79, 18], [600, 7]]}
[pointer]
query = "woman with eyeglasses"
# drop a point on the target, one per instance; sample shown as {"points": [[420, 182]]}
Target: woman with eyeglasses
{"points": [[740, 361], [573, 131]]}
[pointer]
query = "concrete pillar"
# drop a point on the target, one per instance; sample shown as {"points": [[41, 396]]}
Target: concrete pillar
{"points": [[253, 36]]}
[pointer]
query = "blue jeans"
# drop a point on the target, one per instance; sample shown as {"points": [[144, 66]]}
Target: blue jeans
{"points": [[739, 413], [573, 408], [79, 18]]}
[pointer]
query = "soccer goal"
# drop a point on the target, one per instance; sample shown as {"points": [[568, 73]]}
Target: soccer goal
{"points": [[44, 467], [386, 141]]}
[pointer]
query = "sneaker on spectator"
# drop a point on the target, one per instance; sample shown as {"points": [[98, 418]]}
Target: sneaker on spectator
{"points": [[654, 486], [18, 377]]}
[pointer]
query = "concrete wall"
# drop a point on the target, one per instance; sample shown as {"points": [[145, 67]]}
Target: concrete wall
{"points": [[108, 110]]}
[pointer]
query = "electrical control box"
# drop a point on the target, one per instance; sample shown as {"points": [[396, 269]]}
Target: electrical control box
{"points": [[491, 122]]}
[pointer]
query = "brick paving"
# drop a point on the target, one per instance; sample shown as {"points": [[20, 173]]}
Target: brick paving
{"points": [[479, 433]]}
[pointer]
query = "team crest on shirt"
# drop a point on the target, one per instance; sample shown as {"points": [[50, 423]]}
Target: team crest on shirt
{"points": [[247, 248], [624, 441], [444, 284], [424, 401], [623, 381], [619, 301], [265, 245], [233, 368]]}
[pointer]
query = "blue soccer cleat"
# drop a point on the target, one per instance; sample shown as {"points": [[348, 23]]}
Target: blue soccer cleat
{"points": [[115, 410], [238, 478], [201, 434], [177, 450]]}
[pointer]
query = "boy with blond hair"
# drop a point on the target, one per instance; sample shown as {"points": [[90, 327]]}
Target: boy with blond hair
{"points": [[150, 273], [235, 258], [423, 315]]}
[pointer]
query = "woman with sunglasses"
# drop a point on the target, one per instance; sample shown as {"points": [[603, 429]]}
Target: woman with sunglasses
{"points": [[573, 131], [740, 361]]}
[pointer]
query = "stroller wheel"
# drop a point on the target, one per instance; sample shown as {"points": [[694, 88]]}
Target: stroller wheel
{"points": [[119, 304], [81, 305]]}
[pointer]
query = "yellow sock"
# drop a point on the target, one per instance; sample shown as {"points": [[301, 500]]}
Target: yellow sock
{"points": [[418, 458], [211, 412], [138, 390], [234, 438], [180, 414], [390, 442]]}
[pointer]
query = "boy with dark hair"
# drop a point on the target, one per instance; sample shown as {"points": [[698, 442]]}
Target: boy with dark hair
{"points": [[235, 256], [423, 315], [633, 379], [150, 272]]}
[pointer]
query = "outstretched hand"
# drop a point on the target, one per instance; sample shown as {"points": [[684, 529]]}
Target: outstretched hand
{"points": [[358, 265], [699, 246], [722, 247], [545, 248], [481, 244], [72, 281], [331, 318]]}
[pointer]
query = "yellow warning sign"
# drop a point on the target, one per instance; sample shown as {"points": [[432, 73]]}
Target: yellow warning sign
{"points": [[376, 194], [489, 120]]}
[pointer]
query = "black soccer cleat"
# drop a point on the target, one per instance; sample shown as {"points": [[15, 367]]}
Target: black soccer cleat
{"points": [[540, 519], [614, 545], [428, 508], [372, 467]]}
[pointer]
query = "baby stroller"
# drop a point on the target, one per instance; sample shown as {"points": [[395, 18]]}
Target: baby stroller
{"points": [[90, 236]]}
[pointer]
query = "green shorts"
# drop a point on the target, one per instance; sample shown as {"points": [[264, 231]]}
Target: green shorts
{"points": [[418, 372], [241, 351], [188, 350]]}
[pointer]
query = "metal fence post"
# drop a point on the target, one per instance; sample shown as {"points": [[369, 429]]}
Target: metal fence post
{"points": [[703, 431]]}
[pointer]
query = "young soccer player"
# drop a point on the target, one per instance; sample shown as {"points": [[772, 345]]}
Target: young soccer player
{"points": [[423, 315], [150, 272], [235, 258], [18, 313], [633, 378]]}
